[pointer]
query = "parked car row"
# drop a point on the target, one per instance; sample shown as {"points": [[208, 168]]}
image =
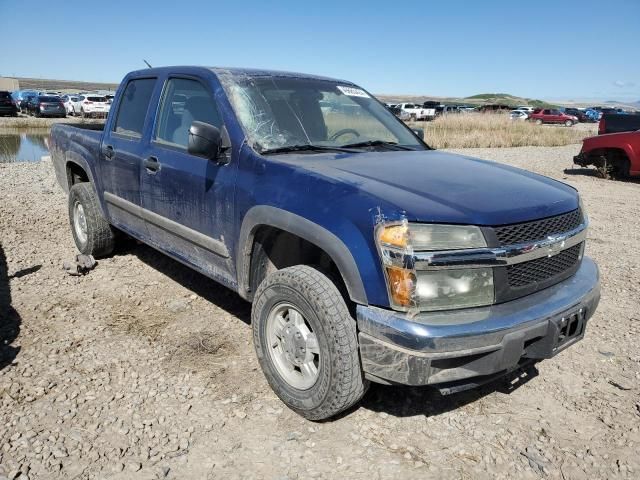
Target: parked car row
{"points": [[425, 111], [85, 104], [568, 116]]}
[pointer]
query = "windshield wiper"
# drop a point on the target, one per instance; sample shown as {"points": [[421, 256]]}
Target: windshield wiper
{"points": [[306, 148], [376, 143]]}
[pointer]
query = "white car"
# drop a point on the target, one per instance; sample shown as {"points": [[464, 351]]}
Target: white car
{"points": [[93, 105], [417, 112], [518, 115], [70, 102], [525, 109]]}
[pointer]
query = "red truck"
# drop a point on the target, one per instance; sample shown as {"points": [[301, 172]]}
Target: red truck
{"points": [[551, 115], [615, 155]]}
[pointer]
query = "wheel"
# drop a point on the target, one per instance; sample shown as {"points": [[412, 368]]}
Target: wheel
{"points": [[568, 123], [91, 232], [539, 121], [83, 113], [306, 342]]}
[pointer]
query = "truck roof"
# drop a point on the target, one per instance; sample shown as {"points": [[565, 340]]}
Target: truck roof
{"points": [[233, 71]]}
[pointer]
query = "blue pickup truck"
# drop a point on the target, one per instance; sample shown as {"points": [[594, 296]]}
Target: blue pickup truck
{"points": [[366, 254]]}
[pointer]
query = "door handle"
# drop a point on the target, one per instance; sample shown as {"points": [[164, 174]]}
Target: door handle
{"points": [[152, 165], [107, 151]]}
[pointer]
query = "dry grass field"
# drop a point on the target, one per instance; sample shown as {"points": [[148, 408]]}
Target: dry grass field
{"points": [[490, 130]]}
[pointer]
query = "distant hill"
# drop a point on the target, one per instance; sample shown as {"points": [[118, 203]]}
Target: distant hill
{"points": [[479, 99], [508, 99], [489, 96], [63, 85]]}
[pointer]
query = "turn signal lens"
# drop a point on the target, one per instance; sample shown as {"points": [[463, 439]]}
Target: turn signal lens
{"points": [[402, 286], [395, 235]]}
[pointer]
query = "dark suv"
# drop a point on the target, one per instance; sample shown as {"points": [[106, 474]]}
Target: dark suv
{"points": [[7, 105], [46, 106], [579, 114]]}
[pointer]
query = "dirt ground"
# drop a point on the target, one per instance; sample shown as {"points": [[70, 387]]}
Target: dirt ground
{"points": [[145, 369]]}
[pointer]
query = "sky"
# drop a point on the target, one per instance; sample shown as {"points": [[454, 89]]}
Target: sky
{"points": [[549, 49]]}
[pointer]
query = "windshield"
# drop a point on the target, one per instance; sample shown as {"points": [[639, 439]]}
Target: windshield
{"points": [[281, 112]]}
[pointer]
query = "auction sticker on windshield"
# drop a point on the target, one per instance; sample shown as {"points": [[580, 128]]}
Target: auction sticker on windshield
{"points": [[353, 92]]}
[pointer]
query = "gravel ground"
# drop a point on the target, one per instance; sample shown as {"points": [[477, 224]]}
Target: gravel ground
{"points": [[144, 369]]}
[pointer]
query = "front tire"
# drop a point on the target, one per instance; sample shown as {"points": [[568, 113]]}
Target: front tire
{"points": [[306, 342], [92, 233], [568, 123]]}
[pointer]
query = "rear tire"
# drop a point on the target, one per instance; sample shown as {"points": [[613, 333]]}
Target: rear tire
{"points": [[538, 122], [92, 233], [306, 342]]}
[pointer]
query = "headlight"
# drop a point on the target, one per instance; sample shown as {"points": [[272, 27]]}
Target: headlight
{"points": [[446, 289], [411, 289], [585, 217], [432, 237]]}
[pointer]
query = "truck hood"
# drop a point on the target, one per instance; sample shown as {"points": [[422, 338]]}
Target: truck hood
{"points": [[434, 186]]}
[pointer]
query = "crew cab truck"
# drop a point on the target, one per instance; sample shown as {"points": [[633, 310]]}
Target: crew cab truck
{"points": [[618, 122], [417, 112], [367, 255], [615, 155]]}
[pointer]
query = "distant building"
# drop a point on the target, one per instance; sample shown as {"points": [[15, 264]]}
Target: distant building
{"points": [[10, 84]]}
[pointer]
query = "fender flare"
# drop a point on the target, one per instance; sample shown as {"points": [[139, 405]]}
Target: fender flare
{"points": [[264, 215], [76, 158]]}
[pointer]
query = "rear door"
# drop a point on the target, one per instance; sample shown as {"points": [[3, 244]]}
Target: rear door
{"points": [[122, 153], [188, 200]]}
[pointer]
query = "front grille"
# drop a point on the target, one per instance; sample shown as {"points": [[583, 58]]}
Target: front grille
{"points": [[541, 269], [538, 229]]}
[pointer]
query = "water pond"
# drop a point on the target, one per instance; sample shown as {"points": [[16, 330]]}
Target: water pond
{"points": [[23, 147]]}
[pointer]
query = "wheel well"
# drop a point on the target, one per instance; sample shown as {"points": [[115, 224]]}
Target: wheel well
{"points": [[617, 161], [274, 249], [76, 174]]}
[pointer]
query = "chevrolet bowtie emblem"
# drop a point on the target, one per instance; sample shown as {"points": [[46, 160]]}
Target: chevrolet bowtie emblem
{"points": [[555, 245]]}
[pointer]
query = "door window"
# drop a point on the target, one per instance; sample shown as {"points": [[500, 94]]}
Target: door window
{"points": [[184, 101], [133, 107]]}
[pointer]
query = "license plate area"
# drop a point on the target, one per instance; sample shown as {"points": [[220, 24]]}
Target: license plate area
{"points": [[570, 327]]}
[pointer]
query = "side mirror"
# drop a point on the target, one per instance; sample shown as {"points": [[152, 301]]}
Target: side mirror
{"points": [[419, 132], [208, 141]]}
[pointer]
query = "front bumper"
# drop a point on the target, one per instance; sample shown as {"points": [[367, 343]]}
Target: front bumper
{"points": [[464, 346], [581, 159]]}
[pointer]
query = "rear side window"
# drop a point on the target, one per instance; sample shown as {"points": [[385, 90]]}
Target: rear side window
{"points": [[133, 107], [184, 101]]}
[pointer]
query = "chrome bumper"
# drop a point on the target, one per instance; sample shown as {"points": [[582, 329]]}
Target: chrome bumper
{"points": [[454, 346]]}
